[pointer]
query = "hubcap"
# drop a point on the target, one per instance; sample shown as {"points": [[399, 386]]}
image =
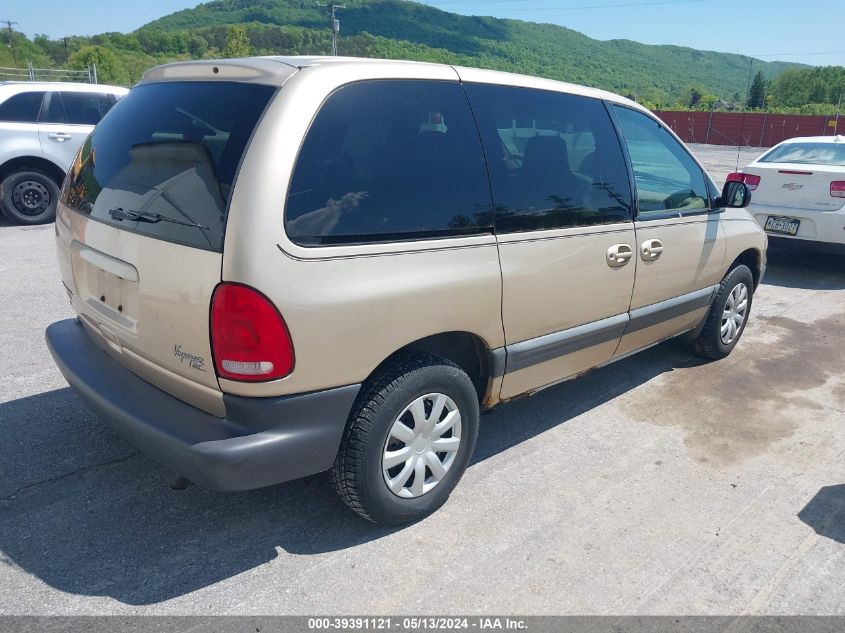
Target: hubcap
{"points": [[30, 197], [733, 316], [422, 445]]}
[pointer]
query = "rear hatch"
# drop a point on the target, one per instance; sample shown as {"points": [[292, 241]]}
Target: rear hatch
{"points": [[799, 176], [141, 225]]}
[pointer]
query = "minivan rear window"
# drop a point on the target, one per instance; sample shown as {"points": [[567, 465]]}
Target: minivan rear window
{"points": [[163, 160]]}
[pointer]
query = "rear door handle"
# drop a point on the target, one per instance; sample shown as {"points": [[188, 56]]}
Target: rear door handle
{"points": [[59, 136], [619, 255], [651, 250]]}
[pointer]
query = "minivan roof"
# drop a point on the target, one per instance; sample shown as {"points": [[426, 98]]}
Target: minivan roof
{"points": [[264, 67]]}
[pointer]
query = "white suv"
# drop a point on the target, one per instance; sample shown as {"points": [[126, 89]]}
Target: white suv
{"points": [[42, 126]]}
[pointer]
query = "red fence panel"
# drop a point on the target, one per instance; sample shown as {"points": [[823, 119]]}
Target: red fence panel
{"points": [[755, 129]]}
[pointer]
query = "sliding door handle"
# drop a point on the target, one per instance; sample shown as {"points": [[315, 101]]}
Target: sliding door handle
{"points": [[619, 255], [651, 250]]}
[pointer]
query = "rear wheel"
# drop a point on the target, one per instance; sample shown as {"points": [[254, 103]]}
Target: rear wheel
{"points": [[409, 440], [29, 197], [728, 315]]}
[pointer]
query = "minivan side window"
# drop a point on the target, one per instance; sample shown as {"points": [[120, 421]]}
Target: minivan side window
{"points": [[668, 180], [555, 159], [388, 160], [22, 107]]}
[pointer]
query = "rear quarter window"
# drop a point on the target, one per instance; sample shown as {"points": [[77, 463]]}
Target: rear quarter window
{"points": [[389, 160], [22, 107], [83, 108], [163, 160]]}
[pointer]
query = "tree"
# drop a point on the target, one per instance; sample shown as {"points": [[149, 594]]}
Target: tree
{"points": [[237, 42], [757, 92], [799, 87], [707, 101], [197, 46], [694, 97], [109, 68]]}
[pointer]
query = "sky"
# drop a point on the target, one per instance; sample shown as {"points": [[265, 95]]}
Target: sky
{"points": [[808, 32]]}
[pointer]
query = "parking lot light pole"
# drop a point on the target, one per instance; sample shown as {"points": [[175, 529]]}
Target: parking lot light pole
{"points": [[331, 10]]}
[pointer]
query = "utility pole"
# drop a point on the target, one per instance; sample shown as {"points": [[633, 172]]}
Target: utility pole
{"points": [[10, 24], [67, 58], [331, 10]]}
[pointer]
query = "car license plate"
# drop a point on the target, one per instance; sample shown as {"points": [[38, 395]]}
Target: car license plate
{"points": [[777, 224]]}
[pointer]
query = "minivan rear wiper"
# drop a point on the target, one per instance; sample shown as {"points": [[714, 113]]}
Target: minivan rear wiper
{"points": [[119, 213]]}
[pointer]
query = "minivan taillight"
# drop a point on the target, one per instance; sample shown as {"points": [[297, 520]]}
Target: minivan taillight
{"points": [[750, 180], [837, 189], [248, 335]]}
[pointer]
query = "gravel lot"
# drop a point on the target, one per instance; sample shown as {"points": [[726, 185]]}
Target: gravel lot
{"points": [[657, 485]]}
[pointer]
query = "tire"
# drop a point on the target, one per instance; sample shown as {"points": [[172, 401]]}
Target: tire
{"points": [[359, 473], [29, 197], [712, 342]]}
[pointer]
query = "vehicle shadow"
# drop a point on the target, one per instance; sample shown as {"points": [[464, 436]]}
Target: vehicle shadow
{"points": [[825, 512], [104, 522], [794, 268]]}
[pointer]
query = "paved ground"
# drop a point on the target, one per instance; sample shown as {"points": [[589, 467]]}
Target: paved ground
{"points": [[720, 160], [658, 485]]}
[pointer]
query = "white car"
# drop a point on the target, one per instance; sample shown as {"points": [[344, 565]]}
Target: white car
{"points": [[42, 126], [799, 192]]}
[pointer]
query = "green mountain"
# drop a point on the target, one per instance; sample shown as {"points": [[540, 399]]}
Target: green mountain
{"points": [[657, 75], [399, 28]]}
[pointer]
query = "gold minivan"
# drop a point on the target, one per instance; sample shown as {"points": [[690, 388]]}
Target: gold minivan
{"points": [[288, 265]]}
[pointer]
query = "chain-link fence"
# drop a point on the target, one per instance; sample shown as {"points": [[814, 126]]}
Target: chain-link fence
{"points": [[31, 73]]}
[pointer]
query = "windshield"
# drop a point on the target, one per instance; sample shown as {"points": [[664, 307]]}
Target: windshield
{"points": [[163, 161], [807, 154]]}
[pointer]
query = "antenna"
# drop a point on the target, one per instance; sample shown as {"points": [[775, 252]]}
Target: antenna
{"points": [[10, 24], [744, 110]]}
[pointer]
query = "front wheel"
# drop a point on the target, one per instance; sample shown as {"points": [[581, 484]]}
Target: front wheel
{"points": [[728, 315], [410, 437], [29, 197]]}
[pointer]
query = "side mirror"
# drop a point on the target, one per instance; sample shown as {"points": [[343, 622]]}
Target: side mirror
{"points": [[735, 195]]}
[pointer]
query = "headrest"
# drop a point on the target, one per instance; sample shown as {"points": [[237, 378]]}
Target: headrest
{"points": [[547, 152]]}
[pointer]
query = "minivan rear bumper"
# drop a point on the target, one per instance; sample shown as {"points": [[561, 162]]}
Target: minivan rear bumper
{"points": [[260, 442]]}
